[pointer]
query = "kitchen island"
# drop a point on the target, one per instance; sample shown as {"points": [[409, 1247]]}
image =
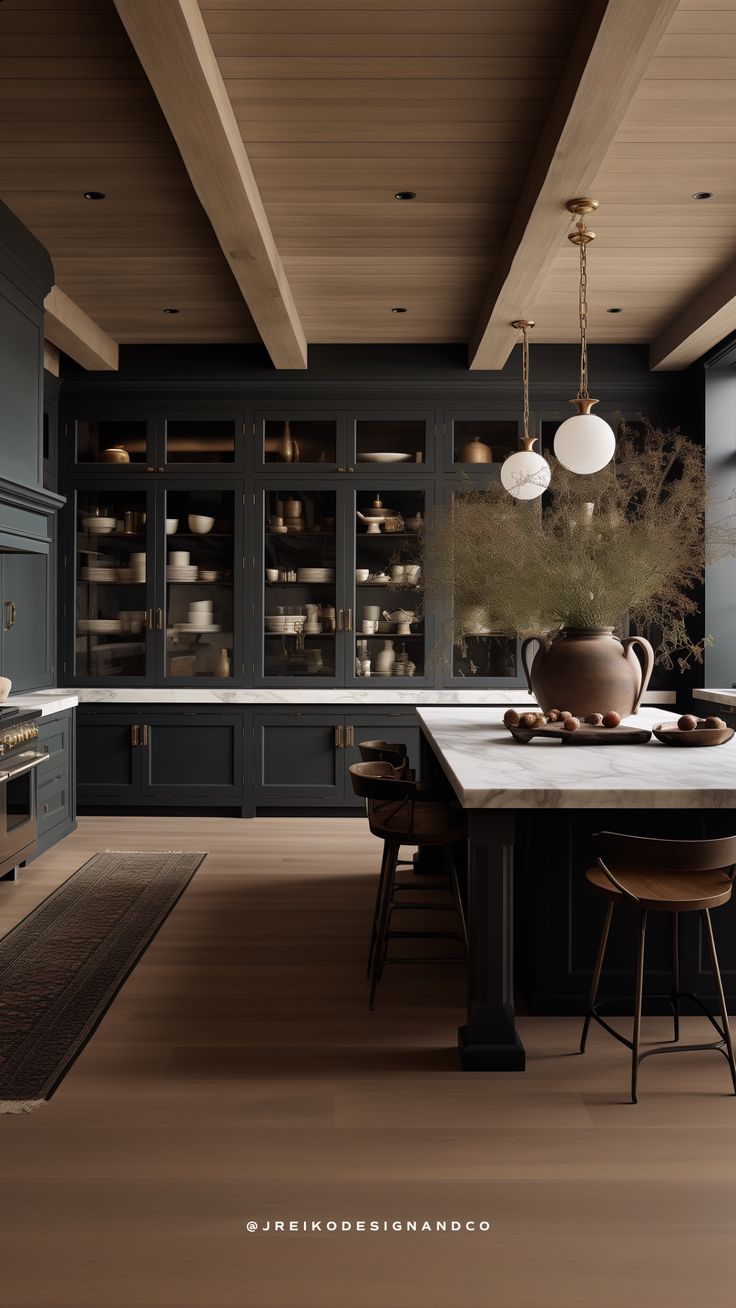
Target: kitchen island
{"points": [[499, 782]]}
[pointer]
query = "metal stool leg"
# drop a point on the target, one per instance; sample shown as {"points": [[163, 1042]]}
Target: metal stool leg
{"points": [[637, 1008], [719, 992], [597, 974], [384, 914], [377, 905], [676, 974]]}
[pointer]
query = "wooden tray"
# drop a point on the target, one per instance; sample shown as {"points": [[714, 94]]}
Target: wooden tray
{"points": [[585, 734], [700, 736]]}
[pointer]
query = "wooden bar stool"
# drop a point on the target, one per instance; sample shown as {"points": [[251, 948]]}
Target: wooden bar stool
{"points": [[398, 815], [663, 876], [396, 753]]}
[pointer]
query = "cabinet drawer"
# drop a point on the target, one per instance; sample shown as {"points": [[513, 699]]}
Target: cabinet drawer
{"points": [[54, 740], [54, 802]]}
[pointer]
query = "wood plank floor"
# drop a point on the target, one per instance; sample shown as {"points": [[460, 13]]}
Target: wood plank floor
{"points": [[239, 1076]]}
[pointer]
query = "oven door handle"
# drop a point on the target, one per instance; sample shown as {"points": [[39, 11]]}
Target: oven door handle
{"points": [[35, 762]]}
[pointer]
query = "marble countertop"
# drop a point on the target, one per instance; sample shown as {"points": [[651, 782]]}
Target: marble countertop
{"points": [[408, 695], [48, 701], [488, 769], [717, 696]]}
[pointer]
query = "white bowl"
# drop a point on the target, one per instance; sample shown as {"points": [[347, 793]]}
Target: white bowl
{"points": [[179, 558], [172, 525], [385, 456], [200, 524], [200, 606]]}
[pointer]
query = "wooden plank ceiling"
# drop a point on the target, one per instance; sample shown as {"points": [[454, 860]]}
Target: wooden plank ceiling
{"points": [[77, 114], [341, 103], [657, 247]]}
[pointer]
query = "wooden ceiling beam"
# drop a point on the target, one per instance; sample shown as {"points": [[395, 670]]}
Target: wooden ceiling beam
{"points": [[72, 330], [610, 55], [698, 327], [171, 41]]}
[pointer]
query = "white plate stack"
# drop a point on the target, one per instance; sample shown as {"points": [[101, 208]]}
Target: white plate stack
{"points": [[99, 572], [179, 568], [138, 566], [199, 617], [315, 574], [284, 624]]}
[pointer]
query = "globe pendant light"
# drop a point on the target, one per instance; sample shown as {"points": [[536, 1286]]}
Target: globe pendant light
{"points": [[584, 443], [525, 474]]}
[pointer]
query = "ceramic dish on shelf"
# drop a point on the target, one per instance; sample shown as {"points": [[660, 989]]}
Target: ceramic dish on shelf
{"points": [[100, 574], [207, 574], [200, 524], [100, 626], [195, 628], [315, 574], [172, 526], [98, 526], [701, 736], [385, 456]]}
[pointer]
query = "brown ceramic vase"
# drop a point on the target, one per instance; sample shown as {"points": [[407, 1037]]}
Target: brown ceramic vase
{"points": [[588, 671]]}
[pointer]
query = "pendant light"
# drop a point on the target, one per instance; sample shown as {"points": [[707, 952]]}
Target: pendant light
{"points": [[584, 443], [525, 474]]}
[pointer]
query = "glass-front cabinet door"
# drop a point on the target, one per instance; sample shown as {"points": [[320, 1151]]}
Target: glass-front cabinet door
{"points": [[112, 555], [302, 617], [309, 439], [393, 635], [480, 654], [389, 441], [115, 444], [476, 443], [201, 553], [211, 439]]}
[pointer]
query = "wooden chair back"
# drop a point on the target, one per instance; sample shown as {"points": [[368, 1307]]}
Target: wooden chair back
{"points": [[381, 781], [620, 852]]}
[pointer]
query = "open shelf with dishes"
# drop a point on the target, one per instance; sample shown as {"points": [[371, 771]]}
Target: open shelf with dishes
{"points": [[390, 624], [199, 540], [300, 615]]}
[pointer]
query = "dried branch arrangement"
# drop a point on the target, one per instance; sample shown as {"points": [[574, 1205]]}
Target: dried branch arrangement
{"points": [[629, 541]]}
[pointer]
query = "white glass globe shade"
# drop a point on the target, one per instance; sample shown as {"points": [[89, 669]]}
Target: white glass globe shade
{"points": [[525, 474], [584, 443]]}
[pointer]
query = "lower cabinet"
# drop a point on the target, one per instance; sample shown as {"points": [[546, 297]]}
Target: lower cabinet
{"points": [[56, 779], [301, 756], [148, 757]]}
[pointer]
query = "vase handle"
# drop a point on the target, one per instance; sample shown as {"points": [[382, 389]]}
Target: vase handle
{"points": [[646, 667], [543, 643]]}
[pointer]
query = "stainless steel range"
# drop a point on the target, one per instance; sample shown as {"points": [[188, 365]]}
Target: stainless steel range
{"points": [[19, 761]]}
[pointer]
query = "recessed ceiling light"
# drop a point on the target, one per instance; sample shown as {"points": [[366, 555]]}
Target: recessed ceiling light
{"points": [[702, 195], [405, 195], [399, 309], [95, 195], [172, 311], [616, 309]]}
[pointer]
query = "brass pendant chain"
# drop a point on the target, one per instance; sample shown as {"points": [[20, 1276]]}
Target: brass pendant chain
{"points": [[583, 308], [523, 325]]}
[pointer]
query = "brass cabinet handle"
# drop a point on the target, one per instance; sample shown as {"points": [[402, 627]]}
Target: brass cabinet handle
{"points": [[135, 735], [44, 808], [349, 621], [339, 738], [10, 614], [148, 620], [342, 470], [350, 736], [144, 741]]}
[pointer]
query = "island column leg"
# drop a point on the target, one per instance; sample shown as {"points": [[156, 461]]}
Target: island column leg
{"points": [[489, 1042]]}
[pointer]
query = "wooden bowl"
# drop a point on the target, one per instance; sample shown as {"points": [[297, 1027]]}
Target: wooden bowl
{"points": [[671, 735]]}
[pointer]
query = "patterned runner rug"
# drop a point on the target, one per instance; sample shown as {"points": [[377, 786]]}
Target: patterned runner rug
{"points": [[61, 967]]}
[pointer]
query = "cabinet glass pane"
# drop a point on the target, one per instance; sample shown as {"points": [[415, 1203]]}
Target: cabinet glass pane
{"points": [[479, 441], [300, 440], [390, 440], [112, 441], [389, 626], [200, 440], [299, 610], [199, 548], [482, 652], [111, 583]]}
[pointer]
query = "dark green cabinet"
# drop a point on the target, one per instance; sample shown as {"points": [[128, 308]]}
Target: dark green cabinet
{"points": [[302, 756], [56, 778], [25, 654], [139, 756]]}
